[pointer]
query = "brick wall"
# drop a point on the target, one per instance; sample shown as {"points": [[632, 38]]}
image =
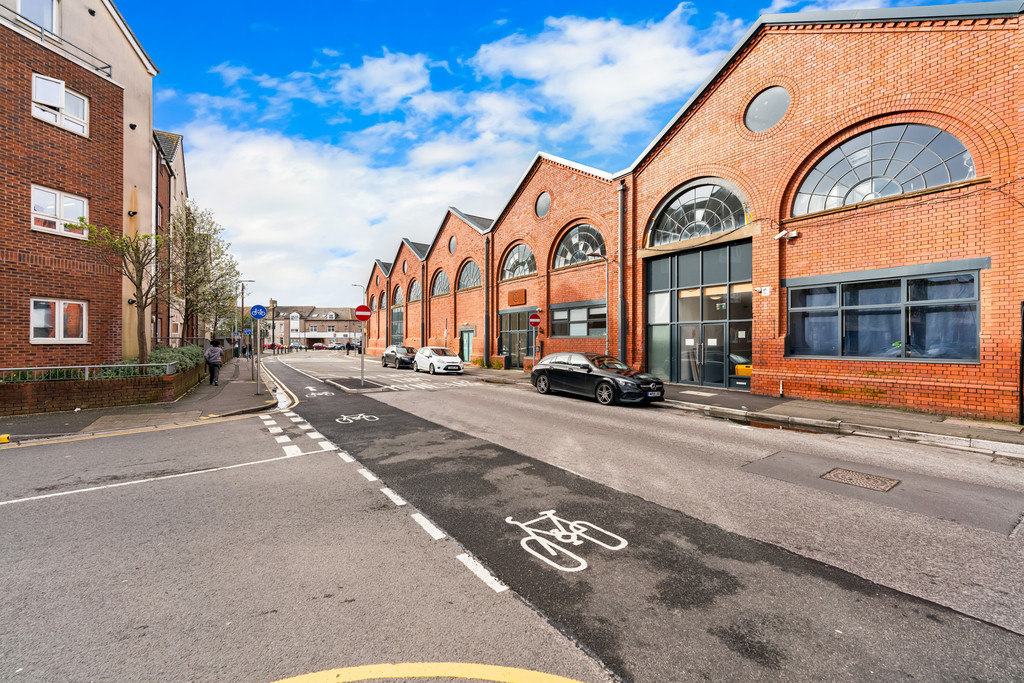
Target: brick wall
{"points": [[49, 397], [844, 80], [42, 264]]}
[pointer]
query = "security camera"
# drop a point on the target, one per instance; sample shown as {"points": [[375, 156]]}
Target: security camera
{"points": [[781, 235], [131, 302]]}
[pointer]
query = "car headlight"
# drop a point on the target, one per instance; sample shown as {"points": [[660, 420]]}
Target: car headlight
{"points": [[627, 383]]}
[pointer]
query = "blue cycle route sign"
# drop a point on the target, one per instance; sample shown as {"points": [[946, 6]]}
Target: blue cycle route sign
{"points": [[258, 312]]}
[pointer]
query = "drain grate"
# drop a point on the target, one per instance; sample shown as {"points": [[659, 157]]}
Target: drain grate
{"points": [[865, 481]]}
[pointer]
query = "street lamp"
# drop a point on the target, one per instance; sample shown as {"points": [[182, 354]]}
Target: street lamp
{"points": [[607, 307], [273, 327]]}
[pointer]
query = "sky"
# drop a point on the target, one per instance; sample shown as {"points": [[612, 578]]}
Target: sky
{"points": [[320, 139]]}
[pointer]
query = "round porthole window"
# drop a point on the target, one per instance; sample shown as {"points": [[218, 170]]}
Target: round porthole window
{"points": [[766, 109], [452, 243], [543, 204]]}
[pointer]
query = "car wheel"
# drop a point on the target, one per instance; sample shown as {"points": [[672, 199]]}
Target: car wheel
{"points": [[605, 393], [431, 369], [383, 363], [415, 367], [543, 386]]}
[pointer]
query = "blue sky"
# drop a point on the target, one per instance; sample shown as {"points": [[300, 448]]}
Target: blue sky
{"points": [[320, 139]]}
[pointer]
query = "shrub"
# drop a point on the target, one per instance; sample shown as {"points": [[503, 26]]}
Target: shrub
{"points": [[187, 358]]}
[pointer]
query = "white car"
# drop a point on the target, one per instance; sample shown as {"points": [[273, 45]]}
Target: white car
{"points": [[435, 359]]}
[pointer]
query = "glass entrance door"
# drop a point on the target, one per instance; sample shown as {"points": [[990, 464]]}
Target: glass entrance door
{"points": [[466, 350], [702, 354], [516, 337], [700, 316]]}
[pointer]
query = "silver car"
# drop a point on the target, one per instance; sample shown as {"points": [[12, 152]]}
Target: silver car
{"points": [[437, 359]]}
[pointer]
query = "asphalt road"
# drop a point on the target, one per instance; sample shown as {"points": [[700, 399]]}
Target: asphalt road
{"points": [[683, 599], [223, 552]]}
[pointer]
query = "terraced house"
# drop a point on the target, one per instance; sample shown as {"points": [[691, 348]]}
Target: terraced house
{"points": [[831, 215], [77, 140]]}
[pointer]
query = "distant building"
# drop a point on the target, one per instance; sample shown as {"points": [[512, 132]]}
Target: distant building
{"points": [[308, 325], [832, 215]]}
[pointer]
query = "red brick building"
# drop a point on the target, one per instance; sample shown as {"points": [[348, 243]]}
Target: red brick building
{"points": [[75, 141], [834, 207]]}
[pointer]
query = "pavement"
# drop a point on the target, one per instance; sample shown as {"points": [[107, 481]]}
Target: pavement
{"points": [[237, 394]]}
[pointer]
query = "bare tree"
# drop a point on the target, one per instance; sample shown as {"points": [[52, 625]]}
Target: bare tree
{"points": [[202, 272], [137, 258]]}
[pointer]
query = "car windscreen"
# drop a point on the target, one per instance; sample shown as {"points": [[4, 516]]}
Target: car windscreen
{"points": [[442, 351], [609, 363], [405, 349]]}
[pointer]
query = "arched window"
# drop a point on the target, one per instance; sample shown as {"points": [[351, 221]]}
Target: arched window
{"points": [[397, 299], [581, 244], [470, 276], [441, 284], [415, 293], [699, 210], [883, 162], [373, 303], [520, 262], [383, 301]]}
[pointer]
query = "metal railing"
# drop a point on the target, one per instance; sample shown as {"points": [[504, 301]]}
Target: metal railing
{"points": [[15, 20], [84, 372]]}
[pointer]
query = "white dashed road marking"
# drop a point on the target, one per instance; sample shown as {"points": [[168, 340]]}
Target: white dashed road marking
{"points": [[395, 498], [434, 532], [368, 474], [482, 573]]}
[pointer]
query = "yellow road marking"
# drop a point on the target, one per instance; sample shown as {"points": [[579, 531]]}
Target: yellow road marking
{"points": [[479, 672]]}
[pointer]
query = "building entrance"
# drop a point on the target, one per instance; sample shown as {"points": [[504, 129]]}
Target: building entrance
{"points": [[700, 316], [516, 337]]}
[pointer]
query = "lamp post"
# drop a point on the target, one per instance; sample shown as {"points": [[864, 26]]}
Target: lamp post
{"points": [[273, 327], [252, 374], [607, 308], [362, 339]]}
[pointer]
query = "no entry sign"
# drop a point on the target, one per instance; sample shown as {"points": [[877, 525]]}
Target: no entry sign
{"points": [[362, 313], [535, 319]]}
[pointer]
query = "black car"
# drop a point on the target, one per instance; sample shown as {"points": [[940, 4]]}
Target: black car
{"points": [[399, 356], [606, 378]]}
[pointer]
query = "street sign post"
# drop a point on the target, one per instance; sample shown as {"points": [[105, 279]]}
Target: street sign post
{"points": [[258, 313], [363, 314]]}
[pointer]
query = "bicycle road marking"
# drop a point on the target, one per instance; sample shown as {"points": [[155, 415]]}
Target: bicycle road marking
{"points": [[478, 672], [434, 532], [568, 533]]}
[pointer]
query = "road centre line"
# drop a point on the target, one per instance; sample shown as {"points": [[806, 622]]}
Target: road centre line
{"points": [[474, 566], [395, 498], [370, 476], [435, 533], [163, 478]]}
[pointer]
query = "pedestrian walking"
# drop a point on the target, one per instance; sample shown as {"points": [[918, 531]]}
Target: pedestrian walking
{"points": [[213, 361]]}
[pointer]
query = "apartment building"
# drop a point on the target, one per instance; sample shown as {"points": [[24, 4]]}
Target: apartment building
{"points": [[308, 325], [77, 141]]}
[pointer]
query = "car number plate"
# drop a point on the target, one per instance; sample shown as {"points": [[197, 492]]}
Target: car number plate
{"points": [[654, 393]]}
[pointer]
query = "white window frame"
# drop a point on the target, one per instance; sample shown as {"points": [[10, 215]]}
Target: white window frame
{"points": [[55, 112], [60, 222], [58, 324], [54, 15]]}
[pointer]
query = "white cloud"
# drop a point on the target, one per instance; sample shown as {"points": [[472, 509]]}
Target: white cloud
{"points": [[607, 76], [306, 219], [383, 83]]}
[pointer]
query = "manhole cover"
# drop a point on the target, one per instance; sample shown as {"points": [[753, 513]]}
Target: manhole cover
{"points": [[865, 481]]}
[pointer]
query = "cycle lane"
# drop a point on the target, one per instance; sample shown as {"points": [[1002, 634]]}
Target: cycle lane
{"points": [[681, 600]]}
